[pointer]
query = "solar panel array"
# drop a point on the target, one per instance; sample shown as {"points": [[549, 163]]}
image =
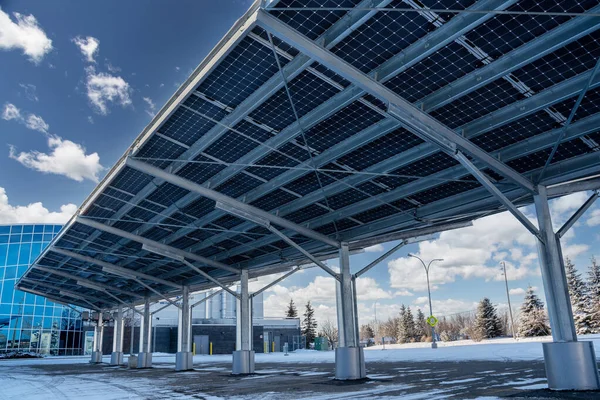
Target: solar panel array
{"points": [[261, 122]]}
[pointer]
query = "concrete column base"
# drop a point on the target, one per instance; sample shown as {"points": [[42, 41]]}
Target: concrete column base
{"points": [[571, 366], [184, 361], [116, 358], [96, 357], [243, 362], [132, 361], [144, 360], [350, 363]]}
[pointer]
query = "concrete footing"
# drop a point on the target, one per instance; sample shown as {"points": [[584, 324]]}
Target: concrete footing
{"points": [[144, 360], [116, 358], [96, 357], [243, 362], [350, 363], [571, 366], [184, 361], [132, 361]]}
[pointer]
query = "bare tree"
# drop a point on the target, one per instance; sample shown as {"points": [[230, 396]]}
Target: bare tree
{"points": [[329, 330]]}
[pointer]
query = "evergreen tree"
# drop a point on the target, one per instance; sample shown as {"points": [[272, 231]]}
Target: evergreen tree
{"points": [[533, 321], [291, 312], [366, 332], [593, 283], [408, 326], [487, 322], [401, 325], [579, 299], [421, 325], [309, 325]]}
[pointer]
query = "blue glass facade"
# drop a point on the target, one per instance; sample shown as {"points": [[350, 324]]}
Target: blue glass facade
{"points": [[29, 322]]}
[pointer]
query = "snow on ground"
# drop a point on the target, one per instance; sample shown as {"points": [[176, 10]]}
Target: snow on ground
{"points": [[504, 349]]}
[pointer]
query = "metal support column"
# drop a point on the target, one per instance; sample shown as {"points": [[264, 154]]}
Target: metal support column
{"points": [[243, 357], [116, 358], [349, 356], [145, 355], [98, 337], [184, 360], [570, 365]]}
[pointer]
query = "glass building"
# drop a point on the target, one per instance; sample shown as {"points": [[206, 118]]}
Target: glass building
{"points": [[28, 322]]}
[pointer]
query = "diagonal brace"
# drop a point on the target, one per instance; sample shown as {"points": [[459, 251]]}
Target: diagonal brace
{"points": [[584, 207], [276, 281], [301, 250]]}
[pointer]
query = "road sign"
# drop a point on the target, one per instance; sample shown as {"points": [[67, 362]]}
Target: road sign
{"points": [[432, 321]]}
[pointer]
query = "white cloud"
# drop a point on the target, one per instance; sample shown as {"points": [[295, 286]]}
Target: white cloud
{"points": [[32, 213], [10, 112], [594, 218], [36, 123], [151, 110], [29, 91], [374, 249], [517, 291], [403, 293], [88, 47], [112, 68], [24, 34], [65, 158], [33, 122], [103, 88]]}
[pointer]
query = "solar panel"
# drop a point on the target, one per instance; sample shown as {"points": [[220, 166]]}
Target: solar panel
{"points": [[266, 125]]}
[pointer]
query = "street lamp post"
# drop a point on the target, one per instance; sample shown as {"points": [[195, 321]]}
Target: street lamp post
{"points": [[512, 322], [433, 343]]}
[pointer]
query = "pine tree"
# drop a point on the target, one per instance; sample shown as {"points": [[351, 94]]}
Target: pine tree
{"points": [[533, 321], [401, 328], [366, 332], [420, 325], [408, 326], [593, 283], [291, 312], [487, 322], [579, 299], [309, 325]]}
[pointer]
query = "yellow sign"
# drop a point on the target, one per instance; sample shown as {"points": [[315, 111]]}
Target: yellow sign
{"points": [[432, 321]]}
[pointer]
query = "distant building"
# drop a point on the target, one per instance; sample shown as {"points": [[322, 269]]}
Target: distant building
{"points": [[28, 322]]}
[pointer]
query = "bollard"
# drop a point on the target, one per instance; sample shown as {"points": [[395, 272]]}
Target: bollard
{"points": [[210, 348]]}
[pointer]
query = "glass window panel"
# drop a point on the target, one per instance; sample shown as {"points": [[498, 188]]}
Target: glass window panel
{"points": [[38, 229], [27, 237], [24, 253], [7, 291], [3, 251], [28, 229], [3, 238], [11, 273], [16, 229], [13, 254], [4, 229], [37, 237]]}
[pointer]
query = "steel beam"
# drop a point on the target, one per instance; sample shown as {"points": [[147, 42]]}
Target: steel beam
{"points": [[275, 282], [116, 269], [572, 187], [295, 245], [486, 183], [210, 296], [379, 259], [219, 197], [584, 207], [83, 281], [152, 243], [415, 120], [54, 299]]}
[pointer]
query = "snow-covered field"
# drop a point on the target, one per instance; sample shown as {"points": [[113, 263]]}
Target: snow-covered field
{"points": [[17, 381]]}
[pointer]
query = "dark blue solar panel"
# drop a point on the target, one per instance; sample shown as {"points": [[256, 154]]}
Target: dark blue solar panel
{"points": [[345, 198], [230, 147], [427, 166], [273, 200], [130, 180], [381, 149], [380, 38], [274, 159], [186, 126], [200, 172], [308, 183], [245, 69], [296, 152], [307, 91], [167, 194], [445, 190], [157, 233], [562, 64], [434, 72], [158, 151], [198, 208], [516, 131], [238, 185], [227, 222], [306, 213], [338, 226], [478, 103], [533, 161], [341, 125], [200, 234], [127, 226], [376, 213], [311, 23]]}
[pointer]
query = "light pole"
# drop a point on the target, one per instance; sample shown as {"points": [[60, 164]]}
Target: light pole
{"points": [[433, 343], [512, 322]]}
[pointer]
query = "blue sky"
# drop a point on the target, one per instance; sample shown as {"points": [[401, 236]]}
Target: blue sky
{"points": [[79, 82]]}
